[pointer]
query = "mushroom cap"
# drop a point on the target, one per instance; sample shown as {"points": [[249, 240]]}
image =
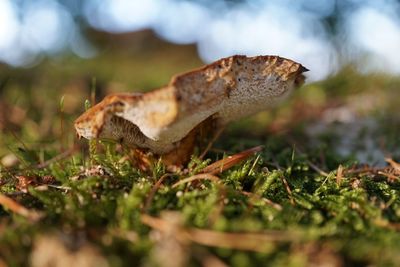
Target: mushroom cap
{"points": [[226, 90]]}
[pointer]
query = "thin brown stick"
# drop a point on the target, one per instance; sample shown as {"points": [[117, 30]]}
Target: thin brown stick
{"points": [[17, 208], [201, 176], [209, 145], [154, 190], [59, 157], [312, 165], [226, 163], [241, 241], [206, 258], [289, 191], [215, 214], [266, 200], [386, 224], [391, 177], [17, 138], [367, 169], [258, 242], [316, 168], [395, 165], [154, 222]]}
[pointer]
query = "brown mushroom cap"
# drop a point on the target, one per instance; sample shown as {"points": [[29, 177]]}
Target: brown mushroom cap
{"points": [[226, 90]]}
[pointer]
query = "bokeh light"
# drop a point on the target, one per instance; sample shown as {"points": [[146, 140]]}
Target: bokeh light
{"points": [[323, 35]]}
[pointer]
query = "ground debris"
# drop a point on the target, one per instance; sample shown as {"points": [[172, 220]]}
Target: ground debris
{"points": [[24, 181], [54, 251], [17, 208], [96, 170], [391, 172], [9, 160], [171, 248], [226, 163], [258, 242]]}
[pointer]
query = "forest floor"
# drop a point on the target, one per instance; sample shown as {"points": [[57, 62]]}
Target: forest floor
{"points": [[324, 190]]}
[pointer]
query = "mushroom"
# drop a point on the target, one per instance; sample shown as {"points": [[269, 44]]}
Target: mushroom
{"points": [[172, 120]]}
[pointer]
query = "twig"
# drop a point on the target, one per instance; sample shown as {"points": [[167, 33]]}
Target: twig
{"points": [[391, 177], [206, 258], [367, 169], [17, 138], [209, 145], [289, 191], [226, 163], [266, 200], [258, 242], [154, 190], [316, 168], [201, 176], [214, 215], [394, 164], [60, 187], [386, 224], [59, 157], [15, 193], [312, 165], [242, 241], [19, 209]]}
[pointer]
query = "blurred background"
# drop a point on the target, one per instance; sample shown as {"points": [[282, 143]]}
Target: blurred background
{"points": [[54, 53], [339, 202], [324, 35]]}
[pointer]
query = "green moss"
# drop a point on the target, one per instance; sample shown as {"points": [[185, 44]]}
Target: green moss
{"points": [[354, 221]]}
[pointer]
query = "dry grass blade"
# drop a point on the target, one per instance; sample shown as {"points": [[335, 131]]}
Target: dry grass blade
{"points": [[309, 162], [390, 177], [391, 172], [288, 190], [209, 260], [209, 145], [395, 165], [317, 169], [226, 163], [366, 169], [257, 242], [67, 153], [339, 174], [154, 190], [266, 200], [201, 176], [19, 209], [59, 157], [386, 224]]}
